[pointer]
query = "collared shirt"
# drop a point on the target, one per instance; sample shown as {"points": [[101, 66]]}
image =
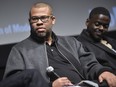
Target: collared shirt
{"points": [[61, 66]]}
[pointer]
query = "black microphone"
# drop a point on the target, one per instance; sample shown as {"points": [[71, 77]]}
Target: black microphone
{"points": [[51, 73]]}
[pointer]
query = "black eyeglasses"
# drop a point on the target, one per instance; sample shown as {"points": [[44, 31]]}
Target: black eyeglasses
{"points": [[44, 19]]}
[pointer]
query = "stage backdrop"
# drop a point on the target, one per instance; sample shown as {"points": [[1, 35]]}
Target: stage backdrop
{"points": [[70, 17]]}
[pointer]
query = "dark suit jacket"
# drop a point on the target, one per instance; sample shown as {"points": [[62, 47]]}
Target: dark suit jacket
{"points": [[104, 55]]}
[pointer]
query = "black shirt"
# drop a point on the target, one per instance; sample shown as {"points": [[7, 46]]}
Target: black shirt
{"points": [[61, 66]]}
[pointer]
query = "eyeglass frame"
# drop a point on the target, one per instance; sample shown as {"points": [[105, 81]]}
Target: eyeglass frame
{"points": [[40, 18]]}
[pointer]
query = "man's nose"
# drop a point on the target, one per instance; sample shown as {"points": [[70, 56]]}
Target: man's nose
{"points": [[39, 22], [101, 27]]}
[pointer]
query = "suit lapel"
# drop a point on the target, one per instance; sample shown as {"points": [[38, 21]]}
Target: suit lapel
{"points": [[103, 47], [85, 36]]}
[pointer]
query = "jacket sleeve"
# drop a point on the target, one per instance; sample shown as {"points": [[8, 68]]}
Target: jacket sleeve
{"points": [[91, 67], [14, 63]]}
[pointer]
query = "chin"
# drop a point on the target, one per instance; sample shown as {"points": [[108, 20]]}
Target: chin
{"points": [[97, 39], [41, 34]]}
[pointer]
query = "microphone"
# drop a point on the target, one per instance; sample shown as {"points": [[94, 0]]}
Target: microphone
{"points": [[51, 73], [84, 83]]}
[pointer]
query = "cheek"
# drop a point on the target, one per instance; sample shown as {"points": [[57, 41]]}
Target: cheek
{"points": [[92, 26], [49, 26], [33, 25]]}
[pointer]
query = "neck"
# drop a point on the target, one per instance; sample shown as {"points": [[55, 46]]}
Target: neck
{"points": [[49, 40]]}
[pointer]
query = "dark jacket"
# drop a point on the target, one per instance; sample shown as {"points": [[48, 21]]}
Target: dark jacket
{"points": [[31, 54], [104, 55]]}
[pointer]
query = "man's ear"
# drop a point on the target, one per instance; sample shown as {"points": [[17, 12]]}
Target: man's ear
{"points": [[29, 21], [53, 19], [87, 22]]}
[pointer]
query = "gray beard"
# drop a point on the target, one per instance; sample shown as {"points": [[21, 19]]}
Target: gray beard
{"points": [[41, 34], [44, 35]]}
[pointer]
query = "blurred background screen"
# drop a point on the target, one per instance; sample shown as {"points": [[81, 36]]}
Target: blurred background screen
{"points": [[70, 17]]}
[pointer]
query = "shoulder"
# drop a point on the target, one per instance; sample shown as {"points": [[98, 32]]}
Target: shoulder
{"points": [[25, 44], [68, 39], [110, 38]]}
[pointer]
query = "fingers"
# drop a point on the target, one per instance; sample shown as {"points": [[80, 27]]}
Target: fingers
{"points": [[63, 81], [111, 81], [109, 77], [100, 79]]}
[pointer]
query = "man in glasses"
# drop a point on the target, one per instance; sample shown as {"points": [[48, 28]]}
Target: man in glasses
{"points": [[43, 48]]}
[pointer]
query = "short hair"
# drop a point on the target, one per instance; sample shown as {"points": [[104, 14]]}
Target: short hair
{"points": [[41, 4], [99, 10]]}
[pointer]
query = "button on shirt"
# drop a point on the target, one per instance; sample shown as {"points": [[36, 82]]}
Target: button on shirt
{"points": [[61, 66]]}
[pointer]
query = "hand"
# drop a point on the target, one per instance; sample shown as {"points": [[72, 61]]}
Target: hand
{"points": [[62, 81], [109, 77]]}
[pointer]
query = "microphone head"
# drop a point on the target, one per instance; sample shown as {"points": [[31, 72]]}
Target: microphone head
{"points": [[50, 72], [50, 69]]}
